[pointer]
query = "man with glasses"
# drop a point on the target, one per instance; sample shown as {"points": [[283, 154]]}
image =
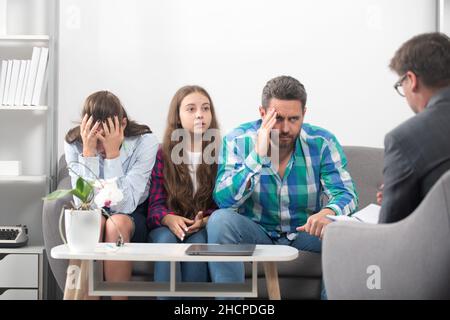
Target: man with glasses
{"points": [[417, 153]]}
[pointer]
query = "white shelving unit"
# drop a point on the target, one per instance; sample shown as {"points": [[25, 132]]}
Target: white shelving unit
{"points": [[24, 108], [23, 271], [24, 37], [443, 16], [23, 178]]}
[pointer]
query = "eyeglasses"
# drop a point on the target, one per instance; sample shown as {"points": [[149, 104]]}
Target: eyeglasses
{"points": [[398, 86]]}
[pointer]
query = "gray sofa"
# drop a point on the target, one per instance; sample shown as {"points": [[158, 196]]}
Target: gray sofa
{"points": [[409, 259], [299, 279]]}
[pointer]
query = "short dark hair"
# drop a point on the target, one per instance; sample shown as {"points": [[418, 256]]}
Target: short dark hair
{"points": [[283, 88], [426, 55]]}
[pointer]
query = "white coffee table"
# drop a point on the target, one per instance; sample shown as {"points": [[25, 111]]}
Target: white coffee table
{"points": [[85, 271]]}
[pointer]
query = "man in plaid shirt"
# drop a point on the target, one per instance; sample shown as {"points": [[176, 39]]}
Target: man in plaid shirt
{"points": [[272, 173]]}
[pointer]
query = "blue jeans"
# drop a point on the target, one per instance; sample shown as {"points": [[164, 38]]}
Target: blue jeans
{"points": [[227, 226], [185, 271]]}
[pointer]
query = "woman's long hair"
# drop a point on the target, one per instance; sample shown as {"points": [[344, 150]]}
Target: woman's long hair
{"points": [[102, 105], [177, 179]]}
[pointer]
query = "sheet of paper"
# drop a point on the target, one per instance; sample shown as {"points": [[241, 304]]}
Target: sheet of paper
{"points": [[369, 214]]}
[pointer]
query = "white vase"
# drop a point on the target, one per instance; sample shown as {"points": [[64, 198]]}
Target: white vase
{"points": [[83, 229]]}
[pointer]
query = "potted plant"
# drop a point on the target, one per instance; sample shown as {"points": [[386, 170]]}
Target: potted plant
{"points": [[83, 221]]}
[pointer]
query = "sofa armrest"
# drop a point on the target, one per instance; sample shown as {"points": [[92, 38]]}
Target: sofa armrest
{"points": [[50, 219]]}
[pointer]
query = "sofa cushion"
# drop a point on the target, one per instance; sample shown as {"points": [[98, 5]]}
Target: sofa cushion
{"points": [[366, 168], [143, 268]]}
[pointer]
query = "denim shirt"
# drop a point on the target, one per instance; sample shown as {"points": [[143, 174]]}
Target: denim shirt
{"points": [[132, 168]]}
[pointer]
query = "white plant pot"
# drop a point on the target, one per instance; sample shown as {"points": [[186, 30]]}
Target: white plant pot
{"points": [[83, 229]]}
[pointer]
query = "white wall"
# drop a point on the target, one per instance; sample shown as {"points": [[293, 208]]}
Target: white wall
{"points": [[145, 50], [28, 17], [444, 23]]}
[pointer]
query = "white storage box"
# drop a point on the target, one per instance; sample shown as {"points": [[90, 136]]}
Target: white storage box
{"points": [[10, 168]]}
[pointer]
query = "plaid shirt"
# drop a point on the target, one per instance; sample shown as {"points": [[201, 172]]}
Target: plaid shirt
{"points": [[157, 207], [317, 166]]}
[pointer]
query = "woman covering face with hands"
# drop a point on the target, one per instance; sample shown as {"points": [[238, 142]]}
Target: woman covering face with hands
{"points": [[180, 200], [104, 137], [108, 145]]}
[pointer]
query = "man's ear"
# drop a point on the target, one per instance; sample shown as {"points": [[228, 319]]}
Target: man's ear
{"points": [[124, 122], [413, 80], [304, 110], [262, 112]]}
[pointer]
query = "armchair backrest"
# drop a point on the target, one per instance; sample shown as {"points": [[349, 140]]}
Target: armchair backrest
{"points": [[409, 259]]}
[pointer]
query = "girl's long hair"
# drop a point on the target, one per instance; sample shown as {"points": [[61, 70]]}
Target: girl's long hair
{"points": [[102, 105], [177, 179]]}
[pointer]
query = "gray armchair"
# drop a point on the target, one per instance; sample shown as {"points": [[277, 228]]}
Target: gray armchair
{"points": [[299, 279], [409, 259]]}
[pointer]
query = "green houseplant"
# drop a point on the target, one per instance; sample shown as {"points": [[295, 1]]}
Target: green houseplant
{"points": [[83, 191], [83, 220]]}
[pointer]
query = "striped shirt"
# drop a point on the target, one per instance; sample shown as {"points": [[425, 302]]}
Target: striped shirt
{"points": [[317, 166]]}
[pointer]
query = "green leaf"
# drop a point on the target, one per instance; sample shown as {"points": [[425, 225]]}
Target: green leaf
{"points": [[57, 194], [77, 194], [80, 184], [83, 190]]}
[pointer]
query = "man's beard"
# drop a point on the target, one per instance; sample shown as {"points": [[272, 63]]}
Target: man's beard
{"points": [[285, 143]]}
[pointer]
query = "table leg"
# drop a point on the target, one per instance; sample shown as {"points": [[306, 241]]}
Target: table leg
{"points": [[173, 276], [273, 287], [76, 287]]}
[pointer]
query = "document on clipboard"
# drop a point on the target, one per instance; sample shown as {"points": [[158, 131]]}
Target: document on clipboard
{"points": [[369, 214]]}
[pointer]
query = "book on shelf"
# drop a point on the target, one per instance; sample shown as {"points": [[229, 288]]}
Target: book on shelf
{"points": [[20, 84], [3, 71], [32, 76], [14, 81], [40, 75], [23, 81], [7, 82]]}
